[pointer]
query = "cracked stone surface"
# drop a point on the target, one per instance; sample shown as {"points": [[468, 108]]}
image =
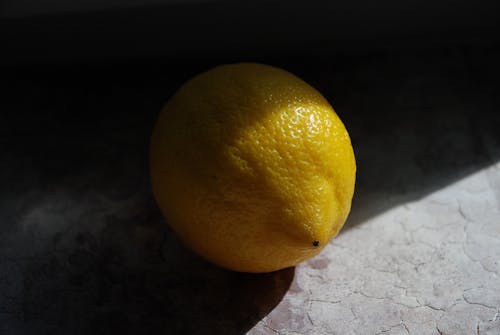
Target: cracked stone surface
{"points": [[403, 273], [84, 250]]}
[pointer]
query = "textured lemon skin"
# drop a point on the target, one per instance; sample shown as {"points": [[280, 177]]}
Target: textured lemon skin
{"points": [[250, 165]]}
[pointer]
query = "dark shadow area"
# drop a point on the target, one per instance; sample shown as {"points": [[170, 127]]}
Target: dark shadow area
{"points": [[84, 249], [418, 120], [162, 30], [83, 243], [135, 278]]}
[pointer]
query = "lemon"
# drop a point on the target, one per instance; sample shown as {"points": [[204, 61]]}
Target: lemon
{"points": [[252, 168]]}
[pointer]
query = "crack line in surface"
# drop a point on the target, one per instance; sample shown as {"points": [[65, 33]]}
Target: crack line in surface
{"points": [[405, 327], [325, 301], [272, 329], [309, 318], [368, 296], [353, 313], [385, 330], [467, 241], [390, 299], [477, 303]]}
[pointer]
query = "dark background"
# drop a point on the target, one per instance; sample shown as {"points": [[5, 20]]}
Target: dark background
{"points": [[57, 32], [83, 248]]}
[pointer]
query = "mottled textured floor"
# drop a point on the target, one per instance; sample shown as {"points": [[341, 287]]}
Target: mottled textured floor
{"points": [[84, 250]]}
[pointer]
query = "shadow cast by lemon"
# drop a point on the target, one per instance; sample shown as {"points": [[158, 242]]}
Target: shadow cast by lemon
{"points": [[134, 277]]}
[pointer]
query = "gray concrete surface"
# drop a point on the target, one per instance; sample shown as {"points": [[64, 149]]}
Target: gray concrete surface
{"points": [[84, 250]]}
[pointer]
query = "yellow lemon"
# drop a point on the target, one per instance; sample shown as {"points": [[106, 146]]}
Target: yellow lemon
{"points": [[252, 168]]}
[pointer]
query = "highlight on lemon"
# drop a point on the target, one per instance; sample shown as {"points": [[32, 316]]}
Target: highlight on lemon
{"points": [[252, 168]]}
